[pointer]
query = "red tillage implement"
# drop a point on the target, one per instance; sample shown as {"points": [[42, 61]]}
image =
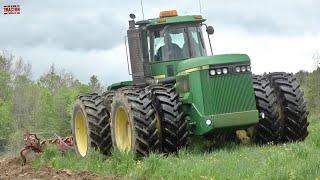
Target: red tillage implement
{"points": [[33, 143]]}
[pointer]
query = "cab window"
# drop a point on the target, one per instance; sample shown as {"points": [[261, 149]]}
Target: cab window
{"points": [[176, 42], [170, 45]]}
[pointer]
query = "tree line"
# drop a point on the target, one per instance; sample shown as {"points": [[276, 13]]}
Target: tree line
{"points": [[310, 82], [42, 105], [45, 104]]}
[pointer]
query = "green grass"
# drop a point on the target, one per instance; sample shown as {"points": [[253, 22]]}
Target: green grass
{"points": [[287, 161]]}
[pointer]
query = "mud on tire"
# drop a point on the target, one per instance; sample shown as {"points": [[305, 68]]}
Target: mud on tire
{"points": [[293, 111], [173, 124], [97, 118], [268, 128]]}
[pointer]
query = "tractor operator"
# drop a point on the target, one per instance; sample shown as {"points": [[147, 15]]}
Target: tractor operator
{"points": [[169, 50]]}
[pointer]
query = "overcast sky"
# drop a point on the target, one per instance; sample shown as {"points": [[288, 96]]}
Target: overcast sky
{"points": [[87, 37]]}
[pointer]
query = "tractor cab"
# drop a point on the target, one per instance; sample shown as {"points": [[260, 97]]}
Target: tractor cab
{"points": [[158, 45], [171, 39], [176, 42], [174, 37]]}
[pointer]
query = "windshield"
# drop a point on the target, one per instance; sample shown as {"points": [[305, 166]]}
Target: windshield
{"points": [[177, 42], [197, 46]]}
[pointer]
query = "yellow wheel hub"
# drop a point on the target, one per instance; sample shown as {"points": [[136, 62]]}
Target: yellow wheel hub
{"points": [[81, 133], [122, 130]]}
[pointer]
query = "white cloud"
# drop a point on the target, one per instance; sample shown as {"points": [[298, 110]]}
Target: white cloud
{"points": [[86, 37], [109, 65], [269, 53]]}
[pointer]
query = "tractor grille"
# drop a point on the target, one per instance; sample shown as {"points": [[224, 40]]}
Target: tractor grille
{"points": [[227, 93]]}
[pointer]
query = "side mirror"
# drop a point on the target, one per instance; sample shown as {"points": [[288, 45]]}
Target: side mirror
{"points": [[132, 16], [210, 30]]}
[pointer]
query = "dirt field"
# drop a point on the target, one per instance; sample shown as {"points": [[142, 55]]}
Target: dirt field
{"points": [[11, 169]]}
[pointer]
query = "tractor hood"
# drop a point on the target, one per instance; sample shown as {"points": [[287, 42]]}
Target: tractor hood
{"points": [[212, 60]]}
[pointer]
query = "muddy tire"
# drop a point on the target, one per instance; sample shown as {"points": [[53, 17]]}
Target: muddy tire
{"points": [[133, 122], [293, 111], [268, 128], [173, 123], [90, 111]]}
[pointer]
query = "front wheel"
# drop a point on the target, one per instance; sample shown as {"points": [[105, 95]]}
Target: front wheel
{"points": [[172, 121], [133, 122], [293, 109], [268, 128]]}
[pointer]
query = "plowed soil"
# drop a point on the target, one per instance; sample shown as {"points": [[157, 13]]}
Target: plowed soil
{"points": [[11, 168]]}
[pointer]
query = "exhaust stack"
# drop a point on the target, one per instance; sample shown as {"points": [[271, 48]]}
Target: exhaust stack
{"points": [[138, 49]]}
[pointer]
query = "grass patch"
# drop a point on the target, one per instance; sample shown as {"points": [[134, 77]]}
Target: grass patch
{"points": [[287, 161]]}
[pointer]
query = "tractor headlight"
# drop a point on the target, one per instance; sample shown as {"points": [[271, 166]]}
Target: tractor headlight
{"points": [[212, 72], [218, 71], [225, 70]]}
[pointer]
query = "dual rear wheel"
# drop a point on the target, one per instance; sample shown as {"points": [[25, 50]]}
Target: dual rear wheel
{"points": [[133, 122], [90, 124], [139, 120], [282, 108]]}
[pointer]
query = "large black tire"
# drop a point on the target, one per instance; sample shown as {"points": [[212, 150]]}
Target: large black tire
{"points": [[268, 128], [106, 144], [97, 120], [108, 98], [141, 117], [293, 111], [173, 123]]}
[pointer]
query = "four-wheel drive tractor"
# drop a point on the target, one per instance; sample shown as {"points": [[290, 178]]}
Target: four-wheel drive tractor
{"points": [[177, 90]]}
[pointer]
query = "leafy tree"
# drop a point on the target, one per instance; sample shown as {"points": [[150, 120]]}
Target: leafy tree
{"points": [[312, 91], [5, 63], [51, 80], [5, 101], [301, 76], [5, 123], [42, 106], [21, 69], [95, 84]]}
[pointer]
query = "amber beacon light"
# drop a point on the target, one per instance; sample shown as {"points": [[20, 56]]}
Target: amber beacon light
{"points": [[169, 13]]}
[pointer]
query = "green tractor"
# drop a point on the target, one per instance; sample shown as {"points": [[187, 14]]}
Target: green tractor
{"points": [[178, 90]]}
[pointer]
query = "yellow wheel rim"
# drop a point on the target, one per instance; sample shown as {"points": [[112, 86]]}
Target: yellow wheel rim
{"points": [[122, 130], [81, 133]]}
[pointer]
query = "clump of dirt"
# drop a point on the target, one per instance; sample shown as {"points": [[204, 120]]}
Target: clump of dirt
{"points": [[11, 168]]}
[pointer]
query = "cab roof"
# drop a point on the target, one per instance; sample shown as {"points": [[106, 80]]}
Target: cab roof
{"points": [[176, 20]]}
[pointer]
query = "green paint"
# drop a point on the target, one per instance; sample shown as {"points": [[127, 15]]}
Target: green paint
{"points": [[120, 85], [160, 68], [217, 98], [228, 100], [198, 124], [227, 93], [235, 119], [213, 60], [174, 20]]}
